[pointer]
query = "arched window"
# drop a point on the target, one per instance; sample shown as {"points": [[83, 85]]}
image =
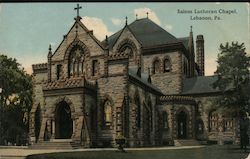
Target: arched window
{"points": [[150, 113], [76, 59], [58, 71], [107, 114], [200, 127], [167, 65], [227, 123], [94, 67], [126, 49], [138, 111], [165, 120], [213, 121], [156, 66]]}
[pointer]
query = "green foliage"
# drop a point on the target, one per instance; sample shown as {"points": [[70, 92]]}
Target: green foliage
{"points": [[15, 99], [233, 77], [207, 152]]}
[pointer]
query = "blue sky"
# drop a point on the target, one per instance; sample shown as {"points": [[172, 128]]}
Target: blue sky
{"points": [[27, 29]]}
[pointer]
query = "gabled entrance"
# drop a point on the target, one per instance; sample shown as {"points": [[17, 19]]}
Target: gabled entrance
{"points": [[63, 121], [182, 125]]}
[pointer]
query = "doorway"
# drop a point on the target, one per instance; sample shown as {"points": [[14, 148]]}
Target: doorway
{"points": [[63, 121], [182, 125]]}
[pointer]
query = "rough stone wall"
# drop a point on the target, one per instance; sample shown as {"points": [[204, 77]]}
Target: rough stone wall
{"points": [[76, 106], [127, 35], [113, 89], [167, 82], [136, 135], [96, 52], [173, 110], [206, 104], [84, 36], [38, 80]]}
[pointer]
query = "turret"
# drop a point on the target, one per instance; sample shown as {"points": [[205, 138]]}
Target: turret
{"points": [[200, 54]]}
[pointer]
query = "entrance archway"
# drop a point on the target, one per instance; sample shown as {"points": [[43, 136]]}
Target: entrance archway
{"points": [[63, 121], [182, 125]]}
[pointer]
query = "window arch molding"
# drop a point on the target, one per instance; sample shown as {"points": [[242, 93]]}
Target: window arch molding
{"points": [[213, 120], [107, 112], [127, 43], [75, 64], [74, 44], [167, 64]]}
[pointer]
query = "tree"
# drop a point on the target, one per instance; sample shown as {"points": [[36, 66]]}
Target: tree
{"points": [[15, 99], [233, 77], [234, 81]]}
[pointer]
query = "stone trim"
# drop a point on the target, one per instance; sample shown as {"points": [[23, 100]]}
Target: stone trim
{"points": [[40, 68], [69, 83], [178, 99], [73, 44]]}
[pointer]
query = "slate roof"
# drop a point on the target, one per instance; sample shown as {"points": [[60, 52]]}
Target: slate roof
{"points": [[184, 41], [147, 33], [199, 85], [132, 71]]}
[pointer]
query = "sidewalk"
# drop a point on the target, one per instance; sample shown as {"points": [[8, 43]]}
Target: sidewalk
{"points": [[22, 152]]}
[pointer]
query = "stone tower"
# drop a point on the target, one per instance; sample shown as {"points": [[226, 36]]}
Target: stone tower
{"points": [[200, 54]]}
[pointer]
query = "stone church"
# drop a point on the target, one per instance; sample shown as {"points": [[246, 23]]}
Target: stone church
{"points": [[141, 82]]}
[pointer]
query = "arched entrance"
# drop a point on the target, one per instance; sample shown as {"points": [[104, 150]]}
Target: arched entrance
{"points": [[182, 125], [63, 121]]}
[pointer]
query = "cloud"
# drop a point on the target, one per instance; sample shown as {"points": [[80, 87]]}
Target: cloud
{"points": [[168, 27], [100, 29], [117, 21], [142, 13]]}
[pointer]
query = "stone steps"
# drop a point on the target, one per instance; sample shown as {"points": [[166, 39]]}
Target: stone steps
{"points": [[58, 144], [188, 142]]}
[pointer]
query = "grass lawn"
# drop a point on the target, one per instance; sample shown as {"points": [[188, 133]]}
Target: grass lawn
{"points": [[208, 152]]}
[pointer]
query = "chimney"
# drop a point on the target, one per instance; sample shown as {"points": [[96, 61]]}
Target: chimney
{"points": [[200, 54]]}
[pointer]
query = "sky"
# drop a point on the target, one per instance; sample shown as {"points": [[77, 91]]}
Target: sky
{"points": [[27, 29]]}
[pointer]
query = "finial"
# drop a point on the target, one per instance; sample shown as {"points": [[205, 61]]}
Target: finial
{"points": [[147, 14], [136, 16], [49, 53], [191, 28], [126, 22], [49, 47], [106, 39]]}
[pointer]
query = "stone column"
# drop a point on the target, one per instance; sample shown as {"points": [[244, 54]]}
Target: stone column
{"points": [[220, 130], [53, 129], [74, 128]]}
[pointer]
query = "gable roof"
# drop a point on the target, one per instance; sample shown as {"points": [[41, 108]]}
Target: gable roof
{"points": [[147, 33], [199, 85], [184, 41], [86, 29]]}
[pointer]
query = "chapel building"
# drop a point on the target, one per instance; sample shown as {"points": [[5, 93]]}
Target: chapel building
{"points": [[141, 82]]}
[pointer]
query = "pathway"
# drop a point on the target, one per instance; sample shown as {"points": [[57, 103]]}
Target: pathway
{"points": [[21, 152]]}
